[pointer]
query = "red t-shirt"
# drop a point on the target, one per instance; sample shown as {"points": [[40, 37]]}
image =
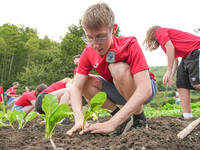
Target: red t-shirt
{"points": [[75, 70], [24, 100], [25, 93], [12, 90], [1, 92], [183, 42], [55, 86], [124, 49]]}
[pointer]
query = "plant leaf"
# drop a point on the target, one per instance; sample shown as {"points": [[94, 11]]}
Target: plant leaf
{"points": [[95, 115], [87, 114], [49, 105], [20, 117], [12, 116], [60, 113], [53, 113], [97, 101], [30, 117], [3, 124]]}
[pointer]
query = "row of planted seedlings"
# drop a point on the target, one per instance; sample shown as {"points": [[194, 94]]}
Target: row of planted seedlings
{"points": [[54, 113]]}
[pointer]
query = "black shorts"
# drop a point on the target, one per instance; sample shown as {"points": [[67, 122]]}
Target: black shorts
{"points": [[38, 103], [188, 71]]}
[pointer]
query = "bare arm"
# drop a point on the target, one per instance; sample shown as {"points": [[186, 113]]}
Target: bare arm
{"points": [[171, 64], [2, 98], [76, 101], [33, 103], [175, 65], [9, 94], [170, 55]]}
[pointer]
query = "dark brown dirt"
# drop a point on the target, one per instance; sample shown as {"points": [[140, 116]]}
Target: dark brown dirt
{"points": [[161, 135]]}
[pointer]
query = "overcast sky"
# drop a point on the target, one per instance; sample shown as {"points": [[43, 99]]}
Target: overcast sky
{"points": [[134, 17]]}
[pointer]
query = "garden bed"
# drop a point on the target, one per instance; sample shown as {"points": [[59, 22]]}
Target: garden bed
{"points": [[161, 134]]}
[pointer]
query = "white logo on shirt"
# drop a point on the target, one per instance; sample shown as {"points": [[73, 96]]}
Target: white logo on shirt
{"points": [[95, 66], [110, 58]]}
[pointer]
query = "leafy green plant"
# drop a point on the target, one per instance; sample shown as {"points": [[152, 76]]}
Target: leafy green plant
{"points": [[173, 110], [171, 100], [95, 109], [16, 115], [53, 114]]}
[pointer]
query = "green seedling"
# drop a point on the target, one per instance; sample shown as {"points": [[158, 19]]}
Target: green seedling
{"points": [[3, 115], [95, 109], [53, 114], [29, 117], [16, 115]]}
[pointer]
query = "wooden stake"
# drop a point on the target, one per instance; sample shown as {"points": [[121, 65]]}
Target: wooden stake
{"points": [[188, 129]]}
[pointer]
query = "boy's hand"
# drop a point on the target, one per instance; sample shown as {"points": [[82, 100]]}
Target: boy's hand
{"points": [[77, 126], [98, 128], [168, 79]]}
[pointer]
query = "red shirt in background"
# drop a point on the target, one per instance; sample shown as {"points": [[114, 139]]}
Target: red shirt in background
{"points": [[55, 86], [183, 42], [1, 92], [25, 93], [75, 70], [24, 100], [12, 90]]}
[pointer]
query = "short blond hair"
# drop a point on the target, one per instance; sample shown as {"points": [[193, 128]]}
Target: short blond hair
{"points": [[68, 80], [151, 43], [97, 16]]}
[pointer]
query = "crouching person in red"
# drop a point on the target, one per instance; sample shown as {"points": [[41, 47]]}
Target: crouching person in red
{"points": [[123, 75], [58, 89], [26, 103]]}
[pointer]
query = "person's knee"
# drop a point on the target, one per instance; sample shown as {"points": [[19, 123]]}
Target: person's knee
{"points": [[197, 86], [92, 82], [120, 70], [92, 86]]}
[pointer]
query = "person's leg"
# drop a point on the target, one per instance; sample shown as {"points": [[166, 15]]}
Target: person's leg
{"points": [[183, 86], [17, 107], [62, 95], [184, 95], [124, 81], [28, 109], [10, 100]]}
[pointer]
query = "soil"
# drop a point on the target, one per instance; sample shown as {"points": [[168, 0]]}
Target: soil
{"points": [[161, 134]]}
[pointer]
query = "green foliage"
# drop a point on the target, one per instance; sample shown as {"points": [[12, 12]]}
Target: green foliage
{"points": [[53, 113], [16, 115], [171, 100], [95, 109], [159, 100], [32, 60], [173, 110]]}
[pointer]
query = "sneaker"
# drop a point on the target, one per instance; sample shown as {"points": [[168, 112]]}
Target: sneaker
{"points": [[139, 121], [123, 127], [64, 122], [183, 118]]}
